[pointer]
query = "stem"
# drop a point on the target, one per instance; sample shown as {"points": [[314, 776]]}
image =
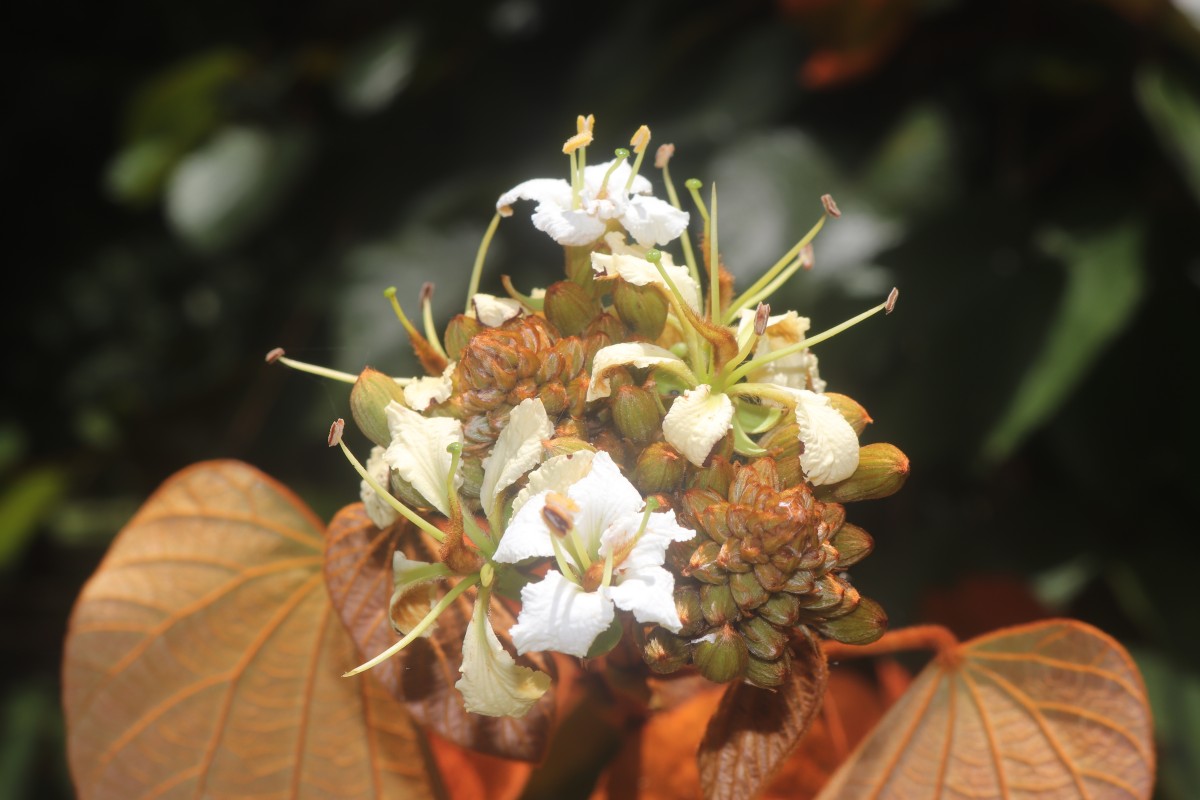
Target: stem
{"points": [[401, 509], [420, 628]]}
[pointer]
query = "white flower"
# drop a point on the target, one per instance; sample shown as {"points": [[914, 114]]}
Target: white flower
{"points": [[418, 452], [421, 393], [798, 370], [492, 682], [596, 519], [830, 444], [649, 220], [636, 354], [697, 421], [378, 510], [630, 265], [494, 311], [518, 449]]}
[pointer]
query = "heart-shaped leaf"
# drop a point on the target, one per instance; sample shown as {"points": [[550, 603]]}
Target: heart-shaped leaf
{"points": [[204, 660], [1054, 709], [358, 570], [754, 730]]}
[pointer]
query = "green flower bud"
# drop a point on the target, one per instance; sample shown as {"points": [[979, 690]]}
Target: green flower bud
{"points": [[781, 609], [642, 308], [763, 639], [882, 470], [724, 658], [747, 592], [660, 468], [782, 441], [827, 593], [850, 410], [636, 413], [703, 564], [717, 604], [664, 652], [459, 331], [570, 307], [768, 674], [717, 476], [403, 491], [472, 472], [866, 623], [853, 544], [370, 396], [565, 445], [770, 576], [687, 606], [800, 582]]}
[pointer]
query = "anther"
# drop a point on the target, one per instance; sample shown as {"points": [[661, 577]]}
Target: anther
{"points": [[335, 432], [761, 315], [892, 297], [662, 156], [830, 207], [275, 355]]}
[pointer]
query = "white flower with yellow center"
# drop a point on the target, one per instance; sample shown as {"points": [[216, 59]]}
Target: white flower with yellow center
{"points": [[609, 548]]}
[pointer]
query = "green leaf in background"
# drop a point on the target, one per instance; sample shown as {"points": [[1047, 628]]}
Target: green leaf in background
{"points": [[24, 504], [1174, 112], [223, 191], [1175, 703], [913, 171], [1105, 283], [30, 727], [377, 70]]}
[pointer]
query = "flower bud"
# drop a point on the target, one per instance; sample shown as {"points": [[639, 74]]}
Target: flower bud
{"points": [[770, 576], [731, 557], [403, 491], [642, 308], [724, 658], [782, 441], [851, 411], [636, 413], [687, 606], [717, 604], [827, 592], [565, 446], [747, 592], [763, 639], [768, 674], [607, 327], [660, 468], [471, 468], [717, 476], [882, 470], [570, 307], [664, 652], [459, 331], [703, 564], [370, 396], [866, 623], [800, 582], [781, 609], [853, 544]]}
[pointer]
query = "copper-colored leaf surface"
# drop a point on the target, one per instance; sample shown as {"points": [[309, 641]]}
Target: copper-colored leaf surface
{"points": [[754, 729], [358, 571], [1050, 710], [204, 660]]}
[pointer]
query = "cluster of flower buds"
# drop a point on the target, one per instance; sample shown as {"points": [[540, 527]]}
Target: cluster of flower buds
{"points": [[636, 452]]}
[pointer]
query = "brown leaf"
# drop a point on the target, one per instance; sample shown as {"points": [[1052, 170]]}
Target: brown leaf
{"points": [[754, 730], [469, 775], [1048, 710], [203, 659], [358, 571]]}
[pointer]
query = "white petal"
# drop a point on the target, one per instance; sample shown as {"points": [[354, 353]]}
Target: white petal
{"points": [[494, 311], [636, 354], [567, 226], [418, 452], [593, 178], [412, 600], [559, 615], [554, 475], [650, 549], [492, 682], [640, 272], [378, 509], [830, 444], [518, 449], [651, 221], [604, 496], [543, 190], [697, 421], [526, 535], [421, 393], [650, 594]]}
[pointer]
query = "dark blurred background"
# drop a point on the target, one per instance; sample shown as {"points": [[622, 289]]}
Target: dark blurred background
{"points": [[194, 184]]}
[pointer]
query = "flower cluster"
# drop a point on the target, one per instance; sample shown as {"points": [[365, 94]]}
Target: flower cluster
{"points": [[637, 454]]}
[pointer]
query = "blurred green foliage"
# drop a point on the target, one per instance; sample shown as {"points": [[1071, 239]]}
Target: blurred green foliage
{"points": [[197, 185]]}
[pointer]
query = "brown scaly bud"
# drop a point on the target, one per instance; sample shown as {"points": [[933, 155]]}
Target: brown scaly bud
{"points": [[768, 674], [782, 610], [763, 639], [664, 652], [866, 623], [459, 331], [608, 328], [882, 470], [747, 592], [570, 307], [717, 604], [852, 544], [703, 565], [660, 468], [642, 308], [850, 410], [687, 606], [724, 658], [827, 593], [636, 413], [716, 476], [370, 396]]}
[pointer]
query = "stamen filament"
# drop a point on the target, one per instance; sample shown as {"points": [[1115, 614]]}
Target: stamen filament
{"points": [[427, 572], [774, 285], [654, 256], [477, 536], [606, 579], [477, 268], [752, 294], [567, 569], [427, 319], [640, 142], [693, 185], [685, 240], [455, 451], [401, 509], [804, 344], [576, 179], [621, 154], [714, 265], [390, 294], [313, 369], [420, 627]]}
